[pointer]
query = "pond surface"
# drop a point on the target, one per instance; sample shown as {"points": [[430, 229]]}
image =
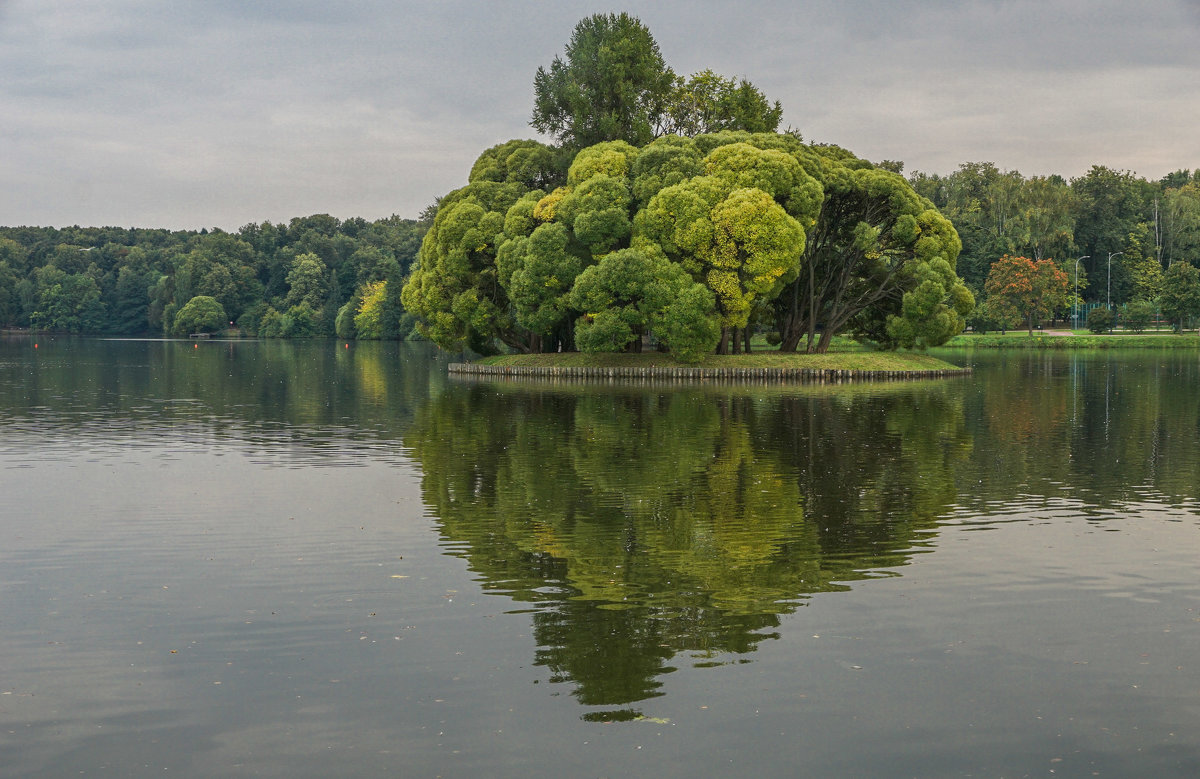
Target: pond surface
{"points": [[301, 559]]}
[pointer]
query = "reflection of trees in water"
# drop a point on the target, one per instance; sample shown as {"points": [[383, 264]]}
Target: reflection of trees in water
{"points": [[307, 399], [1112, 426], [644, 524]]}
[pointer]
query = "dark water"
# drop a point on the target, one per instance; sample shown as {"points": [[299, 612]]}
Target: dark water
{"points": [[298, 559]]}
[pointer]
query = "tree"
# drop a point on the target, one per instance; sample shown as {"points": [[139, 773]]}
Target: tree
{"points": [[531, 164], [874, 240], [306, 282], [1110, 205], [738, 230], [221, 266], [1181, 223], [10, 307], [1030, 289], [201, 314], [630, 293], [1100, 318], [128, 301], [538, 273], [1045, 220], [66, 302], [367, 321], [612, 85], [709, 103], [1180, 299], [455, 291], [1138, 315]]}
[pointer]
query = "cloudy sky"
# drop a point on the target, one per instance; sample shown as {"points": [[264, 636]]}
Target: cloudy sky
{"points": [[216, 113]]}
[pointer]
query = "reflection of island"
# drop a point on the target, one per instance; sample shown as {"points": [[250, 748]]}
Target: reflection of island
{"points": [[642, 524]]}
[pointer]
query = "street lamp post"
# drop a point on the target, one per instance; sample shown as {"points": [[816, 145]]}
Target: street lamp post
{"points": [[1084, 257], [1110, 256]]}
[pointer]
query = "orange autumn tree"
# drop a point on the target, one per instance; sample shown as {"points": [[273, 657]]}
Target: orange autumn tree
{"points": [[1020, 288]]}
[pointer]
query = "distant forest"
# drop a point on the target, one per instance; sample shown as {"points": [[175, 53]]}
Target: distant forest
{"points": [[1144, 225], [266, 279], [321, 276]]}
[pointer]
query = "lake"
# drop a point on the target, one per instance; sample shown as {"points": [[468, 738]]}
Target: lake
{"points": [[282, 559]]}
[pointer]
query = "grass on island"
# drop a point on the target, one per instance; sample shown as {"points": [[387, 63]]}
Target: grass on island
{"points": [[856, 360]]}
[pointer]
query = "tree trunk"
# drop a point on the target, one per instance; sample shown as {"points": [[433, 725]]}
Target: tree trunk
{"points": [[823, 344], [723, 344]]}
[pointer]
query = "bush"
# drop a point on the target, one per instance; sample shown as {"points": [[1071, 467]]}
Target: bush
{"points": [[1100, 319], [201, 314], [1138, 315]]}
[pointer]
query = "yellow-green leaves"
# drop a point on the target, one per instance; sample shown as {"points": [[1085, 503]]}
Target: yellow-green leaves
{"points": [[738, 242], [612, 158]]}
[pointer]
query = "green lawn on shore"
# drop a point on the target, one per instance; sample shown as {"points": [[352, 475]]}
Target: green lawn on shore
{"points": [[1081, 339]]}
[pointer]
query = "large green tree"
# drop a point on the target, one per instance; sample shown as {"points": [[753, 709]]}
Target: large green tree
{"points": [[1110, 205], [612, 84], [455, 290], [874, 241], [630, 293]]}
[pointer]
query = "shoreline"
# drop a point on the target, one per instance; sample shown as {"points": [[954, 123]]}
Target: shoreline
{"points": [[670, 374]]}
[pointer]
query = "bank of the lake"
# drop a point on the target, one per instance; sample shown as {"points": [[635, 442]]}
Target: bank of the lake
{"points": [[757, 366], [1059, 340]]}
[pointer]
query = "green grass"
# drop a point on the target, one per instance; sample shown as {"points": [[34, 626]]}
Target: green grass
{"points": [[848, 360], [1083, 340]]}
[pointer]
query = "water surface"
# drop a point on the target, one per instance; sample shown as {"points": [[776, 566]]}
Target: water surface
{"points": [[302, 559]]}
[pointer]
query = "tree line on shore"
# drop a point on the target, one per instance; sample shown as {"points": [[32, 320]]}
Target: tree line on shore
{"points": [[666, 208], [274, 280]]}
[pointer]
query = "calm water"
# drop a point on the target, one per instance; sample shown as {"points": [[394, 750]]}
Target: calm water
{"points": [[298, 559]]}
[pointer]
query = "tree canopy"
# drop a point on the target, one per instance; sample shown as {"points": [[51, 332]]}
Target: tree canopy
{"points": [[612, 84], [1020, 288], [691, 242]]}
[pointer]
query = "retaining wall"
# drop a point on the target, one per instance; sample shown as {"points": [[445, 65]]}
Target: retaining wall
{"points": [[758, 375]]}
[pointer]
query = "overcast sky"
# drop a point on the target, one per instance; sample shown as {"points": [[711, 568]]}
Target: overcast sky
{"points": [[216, 113]]}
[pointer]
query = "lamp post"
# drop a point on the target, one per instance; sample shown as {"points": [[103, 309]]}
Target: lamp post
{"points": [[1084, 257], [1110, 256]]}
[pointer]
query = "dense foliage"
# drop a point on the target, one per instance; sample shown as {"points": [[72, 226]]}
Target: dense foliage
{"points": [[1020, 288], [270, 279], [696, 241], [615, 85], [1125, 230]]}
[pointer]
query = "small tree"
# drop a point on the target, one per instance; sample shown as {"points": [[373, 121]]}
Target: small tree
{"points": [[1030, 289], [1138, 314], [1100, 319], [201, 314], [367, 322]]}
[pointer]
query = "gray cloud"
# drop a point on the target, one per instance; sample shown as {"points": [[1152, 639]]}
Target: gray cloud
{"points": [[216, 112]]}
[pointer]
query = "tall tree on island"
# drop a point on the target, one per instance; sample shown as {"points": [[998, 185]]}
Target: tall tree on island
{"points": [[613, 85]]}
